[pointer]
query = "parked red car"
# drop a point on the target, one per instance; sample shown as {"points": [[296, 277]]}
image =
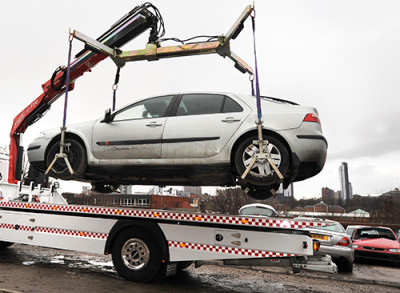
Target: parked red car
{"points": [[375, 243]]}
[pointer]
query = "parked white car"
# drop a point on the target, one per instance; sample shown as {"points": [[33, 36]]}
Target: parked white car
{"points": [[203, 139]]}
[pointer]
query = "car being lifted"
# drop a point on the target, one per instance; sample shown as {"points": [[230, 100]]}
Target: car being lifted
{"points": [[197, 138]]}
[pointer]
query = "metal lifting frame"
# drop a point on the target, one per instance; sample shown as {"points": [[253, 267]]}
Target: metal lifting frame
{"points": [[153, 52]]}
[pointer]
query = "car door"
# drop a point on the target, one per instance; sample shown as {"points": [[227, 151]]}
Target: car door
{"points": [[135, 132], [202, 126]]}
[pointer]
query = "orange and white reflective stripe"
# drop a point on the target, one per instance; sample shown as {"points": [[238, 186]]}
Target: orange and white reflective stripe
{"points": [[164, 215], [228, 250], [57, 231]]}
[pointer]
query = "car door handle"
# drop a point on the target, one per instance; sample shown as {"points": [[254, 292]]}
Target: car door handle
{"points": [[230, 120], [154, 124]]}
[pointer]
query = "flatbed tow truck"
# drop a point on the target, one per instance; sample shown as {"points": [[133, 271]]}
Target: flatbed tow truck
{"points": [[144, 243]]}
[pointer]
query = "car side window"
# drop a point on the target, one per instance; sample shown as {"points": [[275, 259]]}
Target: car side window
{"points": [[150, 108], [197, 104], [231, 106]]}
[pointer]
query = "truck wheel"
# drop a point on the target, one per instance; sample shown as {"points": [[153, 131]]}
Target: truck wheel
{"points": [[261, 174], [76, 156], [137, 255]]}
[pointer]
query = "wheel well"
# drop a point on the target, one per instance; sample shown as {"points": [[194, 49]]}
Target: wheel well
{"points": [[57, 138], [150, 228], [255, 133]]}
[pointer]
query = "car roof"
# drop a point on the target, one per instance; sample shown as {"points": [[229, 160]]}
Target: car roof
{"points": [[315, 219], [261, 205]]}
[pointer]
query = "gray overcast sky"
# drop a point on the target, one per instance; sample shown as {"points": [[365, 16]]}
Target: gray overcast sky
{"points": [[340, 56]]}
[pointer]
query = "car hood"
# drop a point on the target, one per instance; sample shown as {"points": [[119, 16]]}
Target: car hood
{"points": [[378, 243]]}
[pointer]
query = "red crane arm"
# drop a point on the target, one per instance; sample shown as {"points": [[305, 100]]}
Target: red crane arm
{"points": [[127, 28]]}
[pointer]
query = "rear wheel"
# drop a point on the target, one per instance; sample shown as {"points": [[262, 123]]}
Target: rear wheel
{"points": [[137, 255], [261, 173], [77, 157], [344, 265]]}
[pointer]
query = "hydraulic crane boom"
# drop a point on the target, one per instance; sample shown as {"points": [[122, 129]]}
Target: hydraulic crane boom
{"points": [[127, 28], [107, 45]]}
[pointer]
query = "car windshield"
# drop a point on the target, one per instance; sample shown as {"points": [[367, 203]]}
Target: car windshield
{"points": [[371, 233], [335, 227], [257, 211]]}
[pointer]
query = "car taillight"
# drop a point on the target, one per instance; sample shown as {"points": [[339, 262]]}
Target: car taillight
{"points": [[316, 245], [344, 242], [312, 117]]}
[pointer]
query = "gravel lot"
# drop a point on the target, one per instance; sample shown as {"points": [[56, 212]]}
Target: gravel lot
{"points": [[34, 269]]}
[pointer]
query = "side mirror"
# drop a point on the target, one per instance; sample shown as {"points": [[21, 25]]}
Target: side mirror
{"points": [[107, 116]]}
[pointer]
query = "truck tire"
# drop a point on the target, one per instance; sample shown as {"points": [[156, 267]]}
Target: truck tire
{"points": [[137, 255]]}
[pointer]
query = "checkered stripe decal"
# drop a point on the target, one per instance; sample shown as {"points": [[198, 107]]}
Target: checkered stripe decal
{"points": [[54, 231], [71, 232], [205, 218], [227, 249], [15, 227]]}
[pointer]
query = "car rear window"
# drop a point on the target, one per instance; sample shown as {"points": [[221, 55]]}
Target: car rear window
{"points": [[334, 228], [197, 104]]}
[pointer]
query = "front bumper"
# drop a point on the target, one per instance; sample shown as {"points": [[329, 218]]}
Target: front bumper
{"points": [[380, 256]]}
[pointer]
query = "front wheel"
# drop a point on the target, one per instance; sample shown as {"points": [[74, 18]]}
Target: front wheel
{"points": [[137, 255], [77, 157], [261, 173]]}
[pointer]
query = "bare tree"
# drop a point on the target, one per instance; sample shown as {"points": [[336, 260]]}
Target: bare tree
{"points": [[229, 201]]}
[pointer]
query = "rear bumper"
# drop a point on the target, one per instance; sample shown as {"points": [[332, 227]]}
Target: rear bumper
{"points": [[337, 252], [309, 152]]}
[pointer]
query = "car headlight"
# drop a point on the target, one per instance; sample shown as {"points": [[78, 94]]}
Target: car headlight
{"points": [[355, 246], [396, 250]]}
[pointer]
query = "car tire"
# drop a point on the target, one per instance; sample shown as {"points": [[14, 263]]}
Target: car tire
{"points": [[261, 193], [137, 255], [262, 174], [345, 266], [77, 157]]}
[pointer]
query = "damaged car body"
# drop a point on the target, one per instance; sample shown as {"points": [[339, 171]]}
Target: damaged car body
{"points": [[197, 138]]}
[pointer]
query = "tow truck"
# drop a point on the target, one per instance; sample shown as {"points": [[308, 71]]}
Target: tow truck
{"points": [[144, 243]]}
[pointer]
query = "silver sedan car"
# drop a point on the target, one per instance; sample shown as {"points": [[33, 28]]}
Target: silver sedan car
{"points": [[334, 242], [200, 139]]}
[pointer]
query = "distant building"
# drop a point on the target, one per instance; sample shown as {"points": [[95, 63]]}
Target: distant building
{"points": [[192, 190], [346, 191], [137, 200], [321, 207], [336, 209], [327, 193], [395, 192]]}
